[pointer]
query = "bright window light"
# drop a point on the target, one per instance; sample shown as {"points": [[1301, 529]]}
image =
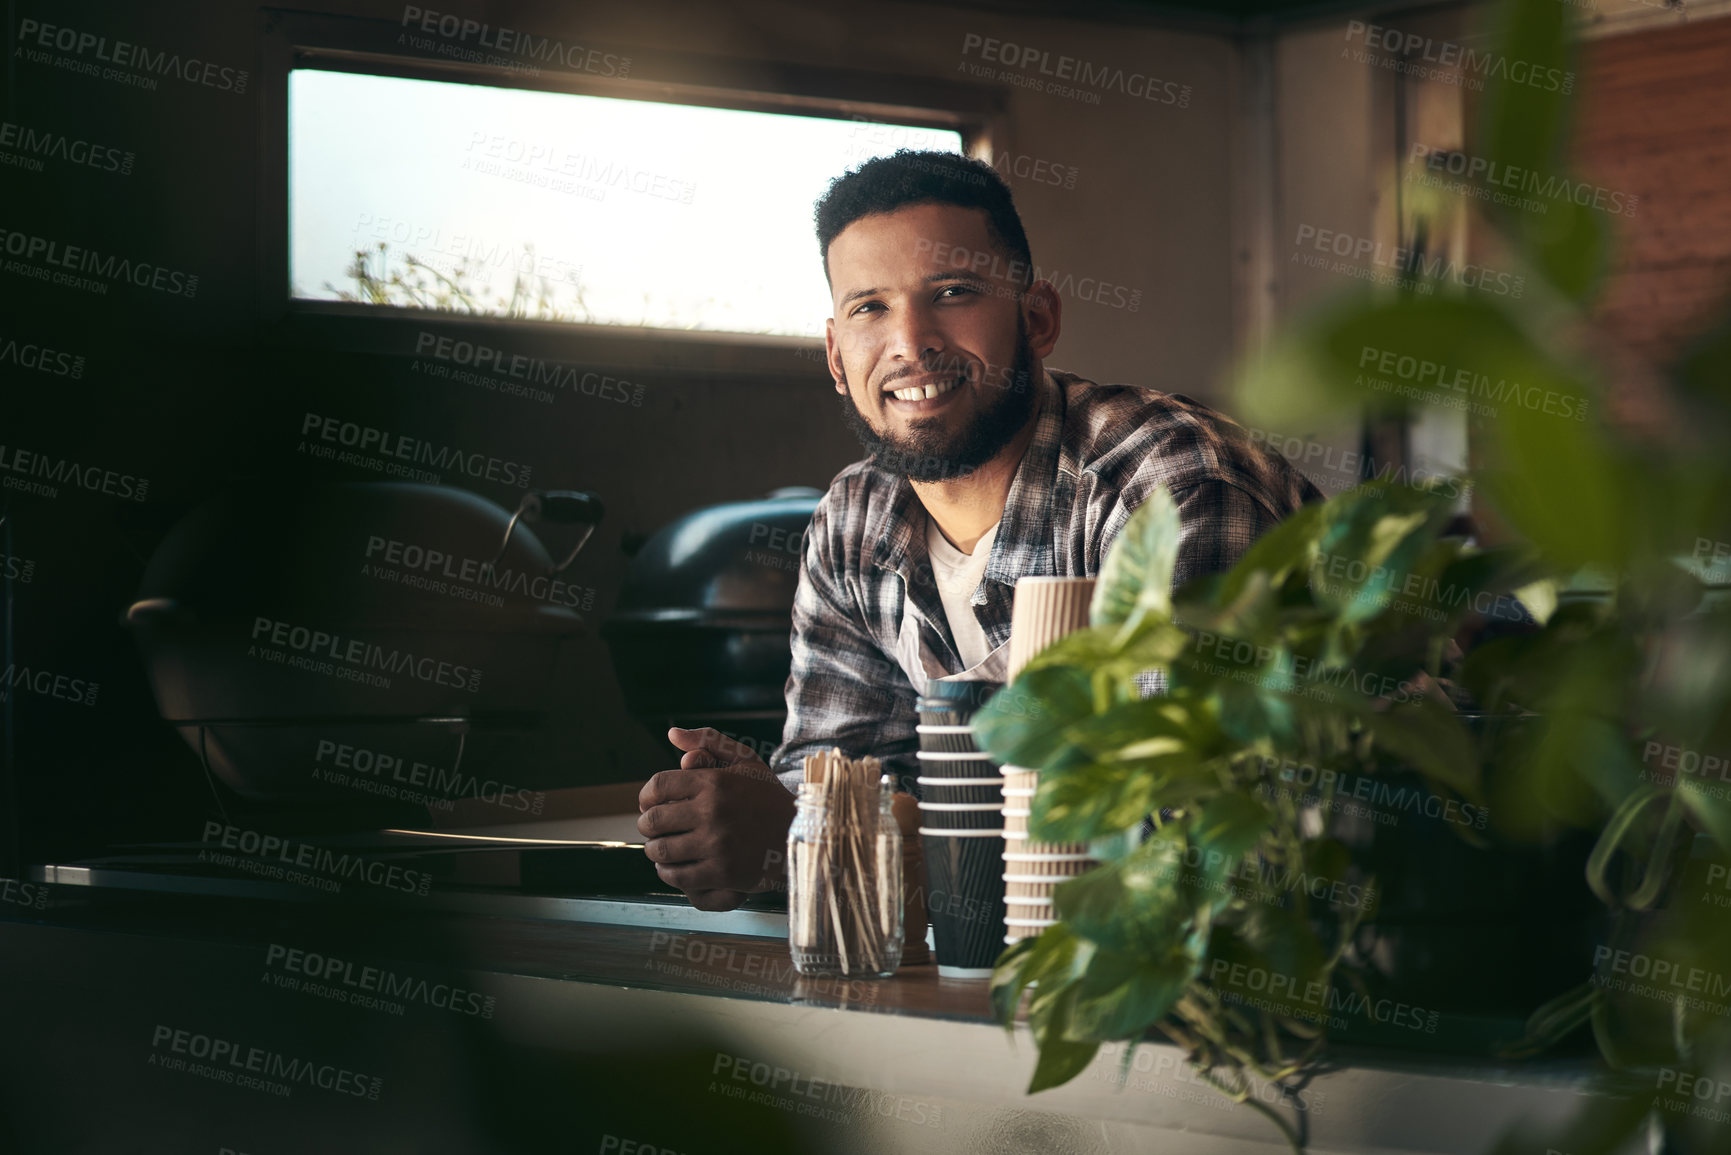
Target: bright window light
{"points": [[508, 202]]}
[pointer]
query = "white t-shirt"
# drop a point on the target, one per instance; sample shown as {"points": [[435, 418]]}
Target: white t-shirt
{"points": [[958, 575]]}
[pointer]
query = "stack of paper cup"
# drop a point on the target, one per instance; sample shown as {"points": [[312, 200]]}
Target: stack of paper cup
{"points": [[961, 830], [1046, 608]]}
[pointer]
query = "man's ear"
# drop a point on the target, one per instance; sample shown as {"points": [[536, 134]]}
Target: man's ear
{"points": [[833, 355], [1044, 318]]}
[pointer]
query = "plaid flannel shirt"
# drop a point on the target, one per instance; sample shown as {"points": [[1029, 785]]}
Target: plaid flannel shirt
{"points": [[869, 628]]}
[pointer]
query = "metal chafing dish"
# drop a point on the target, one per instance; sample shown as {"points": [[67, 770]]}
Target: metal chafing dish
{"points": [[700, 634], [311, 644]]}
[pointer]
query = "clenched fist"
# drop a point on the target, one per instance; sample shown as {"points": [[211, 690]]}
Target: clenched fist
{"points": [[716, 828]]}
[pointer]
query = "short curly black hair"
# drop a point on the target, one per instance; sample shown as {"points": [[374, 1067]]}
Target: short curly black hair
{"points": [[887, 183]]}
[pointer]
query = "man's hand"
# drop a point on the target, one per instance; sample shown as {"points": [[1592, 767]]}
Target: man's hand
{"points": [[712, 824]]}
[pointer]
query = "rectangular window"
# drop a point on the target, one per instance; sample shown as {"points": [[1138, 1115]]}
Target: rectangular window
{"points": [[512, 202]]}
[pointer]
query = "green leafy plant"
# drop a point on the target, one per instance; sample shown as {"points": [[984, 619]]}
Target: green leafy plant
{"points": [[1272, 665]]}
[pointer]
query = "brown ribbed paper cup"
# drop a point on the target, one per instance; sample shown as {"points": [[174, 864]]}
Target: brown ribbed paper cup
{"points": [[1031, 906], [1054, 860], [1018, 792], [1028, 913], [1017, 928], [1045, 609], [1029, 898], [1019, 886]]}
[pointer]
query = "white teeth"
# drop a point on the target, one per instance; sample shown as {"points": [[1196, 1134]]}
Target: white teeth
{"points": [[919, 394]]}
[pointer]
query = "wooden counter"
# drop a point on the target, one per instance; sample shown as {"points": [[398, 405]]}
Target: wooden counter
{"points": [[598, 1035]]}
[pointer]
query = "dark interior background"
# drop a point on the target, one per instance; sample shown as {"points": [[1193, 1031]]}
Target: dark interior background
{"points": [[207, 395]]}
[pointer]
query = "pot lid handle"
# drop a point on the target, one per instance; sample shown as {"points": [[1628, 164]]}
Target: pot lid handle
{"points": [[565, 506]]}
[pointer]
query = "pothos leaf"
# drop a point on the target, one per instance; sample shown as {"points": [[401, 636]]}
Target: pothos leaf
{"points": [[1045, 961], [1566, 487], [1241, 600], [1139, 904], [1118, 653], [1090, 801], [1013, 732], [1228, 826], [1380, 530], [1144, 728], [1135, 578], [1122, 995], [1062, 1057], [1009, 979]]}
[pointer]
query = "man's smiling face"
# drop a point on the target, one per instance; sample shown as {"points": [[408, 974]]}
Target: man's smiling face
{"points": [[932, 358]]}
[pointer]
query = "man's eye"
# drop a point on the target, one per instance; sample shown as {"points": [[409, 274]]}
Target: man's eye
{"points": [[955, 289], [862, 308]]}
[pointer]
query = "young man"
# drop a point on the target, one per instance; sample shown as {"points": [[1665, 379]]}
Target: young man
{"points": [[985, 467]]}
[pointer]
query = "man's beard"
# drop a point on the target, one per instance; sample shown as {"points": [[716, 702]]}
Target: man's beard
{"points": [[937, 454]]}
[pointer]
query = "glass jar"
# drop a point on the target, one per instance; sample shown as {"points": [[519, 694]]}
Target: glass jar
{"points": [[844, 887]]}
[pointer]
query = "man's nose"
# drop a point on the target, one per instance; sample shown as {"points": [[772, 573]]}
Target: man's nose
{"points": [[915, 335]]}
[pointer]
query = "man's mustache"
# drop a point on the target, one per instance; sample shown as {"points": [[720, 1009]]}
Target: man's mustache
{"points": [[925, 369], [1013, 378]]}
